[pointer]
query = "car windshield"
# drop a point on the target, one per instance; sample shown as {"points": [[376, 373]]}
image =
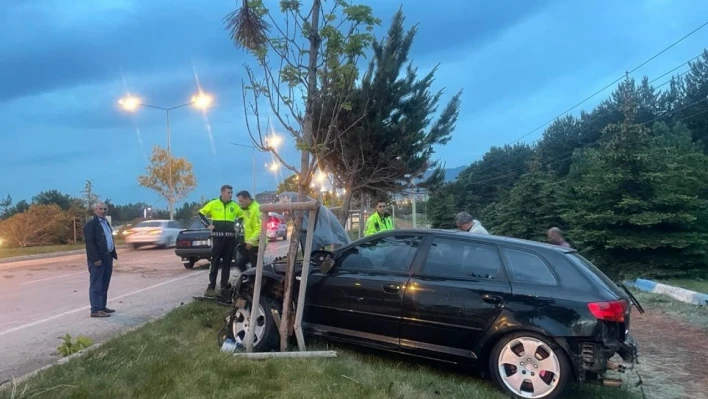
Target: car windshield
{"points": [[149, 224]]}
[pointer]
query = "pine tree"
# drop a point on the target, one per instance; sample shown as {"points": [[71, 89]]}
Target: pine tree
{"points": [[631, 211]]}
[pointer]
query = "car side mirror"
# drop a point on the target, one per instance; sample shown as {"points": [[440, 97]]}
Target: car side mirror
{"points": [[322, 260], [327, 264]]}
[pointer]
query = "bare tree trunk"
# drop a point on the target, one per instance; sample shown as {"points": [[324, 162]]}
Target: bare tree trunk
{"points": [[346, 202], [304, 180], [346, 207], [361, 214]]}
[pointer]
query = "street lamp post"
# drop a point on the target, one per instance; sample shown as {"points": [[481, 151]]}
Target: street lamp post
{"points": [[201, 101]]}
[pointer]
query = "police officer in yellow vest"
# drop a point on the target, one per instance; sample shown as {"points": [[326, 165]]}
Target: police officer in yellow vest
{"points": [[379, 220], [251, 227], [223, 212]]}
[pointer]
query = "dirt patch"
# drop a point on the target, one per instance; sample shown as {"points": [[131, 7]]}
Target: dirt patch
{"points": [[671, 356]]}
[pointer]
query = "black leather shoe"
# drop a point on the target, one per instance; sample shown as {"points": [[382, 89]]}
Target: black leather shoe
{"points": [[108, 310]]}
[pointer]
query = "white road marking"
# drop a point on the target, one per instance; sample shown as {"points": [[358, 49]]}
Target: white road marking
{"points": [[84, 308], [52, 278]]}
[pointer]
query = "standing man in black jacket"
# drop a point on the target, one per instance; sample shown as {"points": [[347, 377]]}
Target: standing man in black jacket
{"points": [[100, 252]]}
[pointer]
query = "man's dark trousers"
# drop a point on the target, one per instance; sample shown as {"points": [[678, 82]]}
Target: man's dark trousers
{"points": [[248, 255], [222, 253], [100, 278]]}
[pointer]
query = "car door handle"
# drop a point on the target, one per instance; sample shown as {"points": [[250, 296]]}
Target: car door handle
{"points": [[492, 298], [391, 288]]}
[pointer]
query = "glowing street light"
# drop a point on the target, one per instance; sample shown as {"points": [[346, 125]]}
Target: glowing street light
{"points": [[273, 141], [201, 101], [129, 103], [274, 167]]}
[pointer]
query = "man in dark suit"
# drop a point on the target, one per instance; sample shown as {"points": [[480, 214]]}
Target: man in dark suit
{"points": [[100, 252]]}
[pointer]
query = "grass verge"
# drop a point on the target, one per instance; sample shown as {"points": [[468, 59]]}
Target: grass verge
{"points": [[12, 252], [178, 357], [686, 312]]}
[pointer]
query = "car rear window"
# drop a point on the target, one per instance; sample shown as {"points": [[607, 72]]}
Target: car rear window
{"points": [[197, 225], [527, 267], [594, 273]]}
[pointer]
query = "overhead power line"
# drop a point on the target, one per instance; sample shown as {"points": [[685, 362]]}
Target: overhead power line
{"points": [[567, 155], [615, 81], [685, 63]]}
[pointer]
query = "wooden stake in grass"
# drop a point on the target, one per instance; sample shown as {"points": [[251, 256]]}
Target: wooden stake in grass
{"points": [[312, 207], [313, 52]]}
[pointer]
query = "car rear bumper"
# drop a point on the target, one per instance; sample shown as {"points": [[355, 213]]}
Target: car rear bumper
{"points": [[193, 253], [594, 359]]}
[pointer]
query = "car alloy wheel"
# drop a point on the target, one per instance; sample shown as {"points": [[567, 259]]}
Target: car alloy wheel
{"points": [[528, 366], [265, 335]]}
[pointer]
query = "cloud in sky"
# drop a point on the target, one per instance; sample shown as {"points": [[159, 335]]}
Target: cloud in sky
{"points": [[64, 65]]}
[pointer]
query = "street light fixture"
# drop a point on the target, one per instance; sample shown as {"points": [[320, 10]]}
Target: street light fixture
{"points": [[274, 141], [201, 101]]}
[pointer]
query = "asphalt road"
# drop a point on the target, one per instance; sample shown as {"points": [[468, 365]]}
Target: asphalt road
{"points": [[43, 299]]}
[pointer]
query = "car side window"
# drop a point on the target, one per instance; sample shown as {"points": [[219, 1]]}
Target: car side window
{"points": [[462, 259], [526, 267], [390, 253]]}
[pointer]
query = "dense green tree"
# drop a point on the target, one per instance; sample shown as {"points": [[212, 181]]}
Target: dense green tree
{"points": [[630, 209], [628, 179], [694, 109], [530, 209], [187, 212], [53, 197], [385, 137]]}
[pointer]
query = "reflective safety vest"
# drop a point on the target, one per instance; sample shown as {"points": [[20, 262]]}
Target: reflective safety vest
{"points": [[223, 215], [376, 223], [252, 223]]}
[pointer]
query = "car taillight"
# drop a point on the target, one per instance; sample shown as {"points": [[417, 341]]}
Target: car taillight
{"points": [[608, 311]]}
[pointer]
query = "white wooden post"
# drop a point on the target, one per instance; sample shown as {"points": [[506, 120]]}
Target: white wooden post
{"points": [[248, 339], [311, 206], [303, 279]]}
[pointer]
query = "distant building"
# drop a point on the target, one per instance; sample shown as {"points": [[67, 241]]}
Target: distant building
{"points": [[267, 197]]}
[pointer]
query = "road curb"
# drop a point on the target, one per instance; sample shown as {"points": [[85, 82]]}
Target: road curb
{"points": [[19, 380], [680, 294], [50, 255]]}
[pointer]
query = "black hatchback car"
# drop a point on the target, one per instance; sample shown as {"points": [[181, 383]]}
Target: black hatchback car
{"points": [[536, 317]]}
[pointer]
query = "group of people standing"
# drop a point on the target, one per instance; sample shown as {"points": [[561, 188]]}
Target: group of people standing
{"points": [[381, 220], [224, 212], [219, 215]]}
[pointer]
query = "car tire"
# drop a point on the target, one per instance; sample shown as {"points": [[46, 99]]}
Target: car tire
{"points": [[189, 264], [266, 337], [549, 376]]}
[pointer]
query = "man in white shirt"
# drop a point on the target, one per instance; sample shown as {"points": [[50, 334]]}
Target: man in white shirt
{"points": [[465, 222]]}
